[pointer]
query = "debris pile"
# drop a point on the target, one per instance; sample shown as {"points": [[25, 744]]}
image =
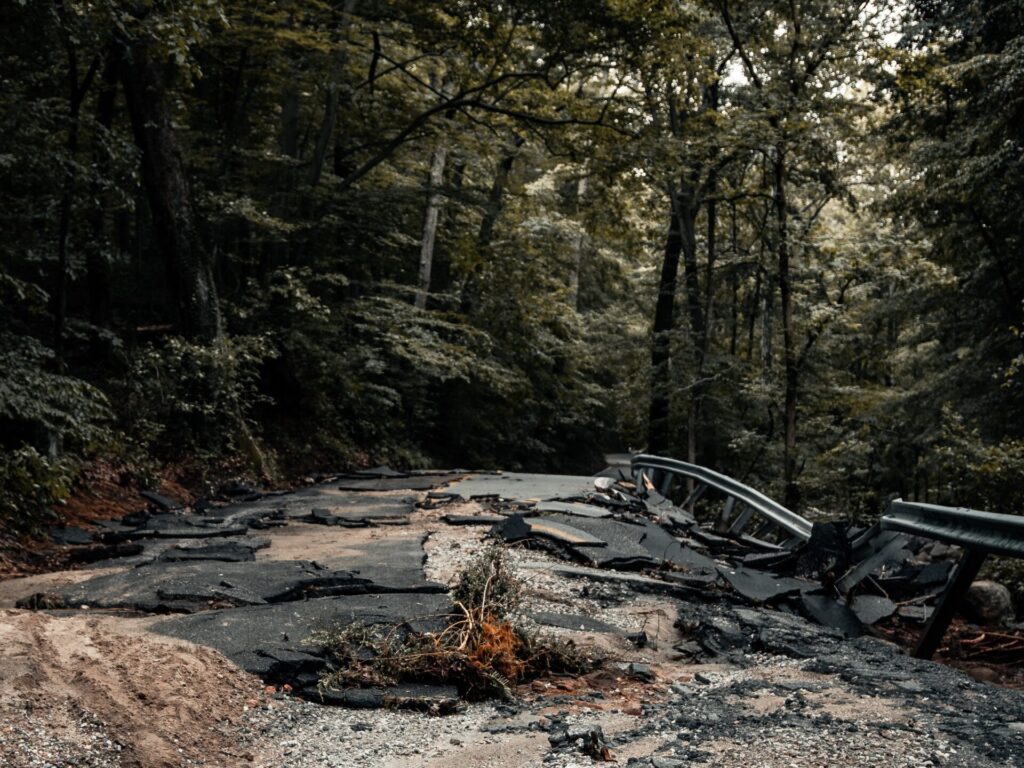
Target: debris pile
{"points": [[834, 574]]}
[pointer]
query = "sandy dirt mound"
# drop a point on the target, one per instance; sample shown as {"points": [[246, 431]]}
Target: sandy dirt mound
{"points": [[104, 692]]}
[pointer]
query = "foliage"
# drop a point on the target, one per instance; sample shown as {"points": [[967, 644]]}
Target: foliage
{"points": [[194, 397], [50, 410], [488, 584], [32, 485], [976, 472]]}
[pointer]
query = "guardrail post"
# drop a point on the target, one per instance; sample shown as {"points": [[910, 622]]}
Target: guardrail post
{"points": [[964, 575]]}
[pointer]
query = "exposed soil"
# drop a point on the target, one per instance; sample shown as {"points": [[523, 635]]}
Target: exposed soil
{"points": [[105, 491], [103, 684]]}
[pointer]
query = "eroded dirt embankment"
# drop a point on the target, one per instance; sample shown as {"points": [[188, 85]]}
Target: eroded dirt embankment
{"points": [[102, 691]]}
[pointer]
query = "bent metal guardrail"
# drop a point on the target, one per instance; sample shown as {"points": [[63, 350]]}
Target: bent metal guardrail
{"points": [[979, 533], [659, 469], [987, 532]]}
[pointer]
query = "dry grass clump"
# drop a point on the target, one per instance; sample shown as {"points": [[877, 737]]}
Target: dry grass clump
{"points": [[480, 650]]}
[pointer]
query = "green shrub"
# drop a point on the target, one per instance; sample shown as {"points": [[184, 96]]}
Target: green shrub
{"points": [[191, 397], [48, 423], [30, 486], [38, 406]]}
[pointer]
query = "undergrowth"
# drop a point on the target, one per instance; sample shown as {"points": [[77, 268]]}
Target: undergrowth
{"points": [[480, 650]]}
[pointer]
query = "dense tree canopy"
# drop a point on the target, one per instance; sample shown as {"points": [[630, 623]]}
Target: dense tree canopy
{"points": [[781, 239]]}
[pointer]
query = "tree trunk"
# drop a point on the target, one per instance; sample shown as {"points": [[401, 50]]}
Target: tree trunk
{"points": [[767, 324], [326, 129], [579, 189], [60, 293], [494, 198], [97, 263], [492, 209], [753, 305], [689, 207], [702, 345], [289, 139], [661, 340], [76, 94], [441, 273], [189, 267], [434, 180], [790, 363], [734, 285], [331, 100]]}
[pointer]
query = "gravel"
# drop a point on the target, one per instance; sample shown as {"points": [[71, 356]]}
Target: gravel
{"points": [[304, 735], [28, 739]]}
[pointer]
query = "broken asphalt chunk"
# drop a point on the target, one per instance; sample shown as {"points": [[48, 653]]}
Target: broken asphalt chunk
{"points": [[576, 622], [573, 508], [663, 546], [523, 486], [60, 534], [270, 640], [641, 672], [826, 555], [400, 483], [158, 501], [192, 586], [517, 528], [473, 519], [225, 551], [433, 699], [831, 613], [380, 471], [763, 587], [872, 608]]}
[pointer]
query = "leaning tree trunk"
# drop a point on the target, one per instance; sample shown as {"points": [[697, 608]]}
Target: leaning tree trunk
{"points": [[433, 211], [441, 273], [189, 267], [332, 98], [471, 288]]}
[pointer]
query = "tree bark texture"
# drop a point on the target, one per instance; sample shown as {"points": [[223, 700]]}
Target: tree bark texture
{"points": [[579, 190], [189, 267], [661, 339], [76, 95], [789, 356], [97, 262], [433, 211], [492, 209]]}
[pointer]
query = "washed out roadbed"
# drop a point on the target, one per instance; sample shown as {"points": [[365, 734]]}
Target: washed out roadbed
{"points": [[184, 642]]}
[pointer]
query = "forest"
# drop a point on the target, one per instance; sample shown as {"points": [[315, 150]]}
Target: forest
{"points": [[778, 238]]}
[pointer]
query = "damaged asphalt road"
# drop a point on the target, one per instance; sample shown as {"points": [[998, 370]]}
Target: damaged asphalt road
{"points": [[758, 649]]}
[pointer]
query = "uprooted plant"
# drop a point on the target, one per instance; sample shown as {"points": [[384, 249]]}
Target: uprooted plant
{"points": [[480, 649]]}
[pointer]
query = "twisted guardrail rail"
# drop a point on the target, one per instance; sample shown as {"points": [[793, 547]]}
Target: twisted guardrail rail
{"points": [[979, 533]]}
